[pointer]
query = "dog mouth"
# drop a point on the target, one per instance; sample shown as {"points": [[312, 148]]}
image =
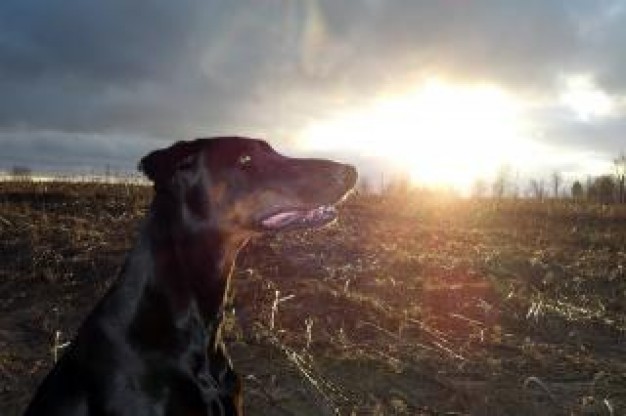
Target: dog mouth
{"points": [[298, 218]]}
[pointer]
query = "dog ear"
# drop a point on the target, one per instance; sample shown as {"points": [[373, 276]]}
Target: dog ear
{"points": [[160, 165]]}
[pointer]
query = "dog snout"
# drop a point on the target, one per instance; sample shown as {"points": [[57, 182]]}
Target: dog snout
{"points": [[347, 175]]}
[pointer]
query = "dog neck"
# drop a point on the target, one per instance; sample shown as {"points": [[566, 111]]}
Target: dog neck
{"points": [[192, 266]]}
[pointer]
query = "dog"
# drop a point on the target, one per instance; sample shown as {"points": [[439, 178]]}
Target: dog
{"points": [[152, 346]]}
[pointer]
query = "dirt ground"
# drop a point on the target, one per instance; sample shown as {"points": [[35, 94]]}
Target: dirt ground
{"points": [[408, 305]]}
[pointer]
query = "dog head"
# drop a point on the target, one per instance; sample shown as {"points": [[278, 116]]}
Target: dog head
{"points": [[241, 185]]}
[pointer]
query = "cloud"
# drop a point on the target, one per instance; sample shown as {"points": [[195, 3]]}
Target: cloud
{"points": [[163, 70], [62, 151]]}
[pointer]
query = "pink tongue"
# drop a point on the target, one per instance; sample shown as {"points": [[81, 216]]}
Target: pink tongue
{"points": [[281, 219]]}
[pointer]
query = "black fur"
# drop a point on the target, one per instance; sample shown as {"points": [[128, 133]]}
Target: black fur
{"points": [[152, 346]]}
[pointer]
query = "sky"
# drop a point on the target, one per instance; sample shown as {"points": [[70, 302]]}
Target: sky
{"points": [[445, 91]]}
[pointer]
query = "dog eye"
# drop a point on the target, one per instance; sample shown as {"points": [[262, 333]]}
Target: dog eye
{"points": [[186, 163], [244, 160]]}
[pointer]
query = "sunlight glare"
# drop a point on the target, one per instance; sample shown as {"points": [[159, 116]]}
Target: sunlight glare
{"points": [[440, 134]]}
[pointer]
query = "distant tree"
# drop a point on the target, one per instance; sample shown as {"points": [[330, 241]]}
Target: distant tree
{"points": [[403, 184], [603, 189], [589, 188], [537, 189], [577, 191], [395, 186], [557, 180], [21, 172], [398, 185], [499, 186], [620, 173], [364, 186], [514, 186], [479, 188]]}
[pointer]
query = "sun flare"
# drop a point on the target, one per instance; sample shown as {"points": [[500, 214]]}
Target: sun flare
{"points": [[439, 134]]}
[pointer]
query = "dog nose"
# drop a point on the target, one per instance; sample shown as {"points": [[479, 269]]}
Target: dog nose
{"points": [[349, 175]]}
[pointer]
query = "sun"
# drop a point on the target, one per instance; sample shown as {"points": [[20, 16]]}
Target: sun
{"points": [[440, 133]]}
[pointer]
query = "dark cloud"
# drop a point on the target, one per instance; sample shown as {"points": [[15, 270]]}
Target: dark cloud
{"points": [[153, 67], [63, 151], [114, 71], [108, 42]]}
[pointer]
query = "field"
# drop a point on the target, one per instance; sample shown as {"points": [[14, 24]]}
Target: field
{"points": [[408, 305]]}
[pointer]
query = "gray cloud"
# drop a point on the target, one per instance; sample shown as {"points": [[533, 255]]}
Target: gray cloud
{"points": [[63, 151], [109, 70], [564, 131]]}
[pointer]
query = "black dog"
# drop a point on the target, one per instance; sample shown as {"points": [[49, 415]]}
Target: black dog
{"points": [[152, 346]]}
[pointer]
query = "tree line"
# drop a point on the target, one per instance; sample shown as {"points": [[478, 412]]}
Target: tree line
{"points": [[608, 188]]}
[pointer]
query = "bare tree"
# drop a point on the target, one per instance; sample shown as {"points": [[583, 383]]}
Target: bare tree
{"points": [[499, 186], [577, 191], [479, 188], [589, 188], [364, 187], [397, 185], [620, 173], [513, 187], [537, 188], [557, 180], [603, 189], [403, 184]]}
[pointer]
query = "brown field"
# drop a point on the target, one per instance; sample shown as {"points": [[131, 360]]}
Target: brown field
{"points": [[408, 305]]}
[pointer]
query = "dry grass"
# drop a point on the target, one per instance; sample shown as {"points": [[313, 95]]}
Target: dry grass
{"points": [[405, 306]]}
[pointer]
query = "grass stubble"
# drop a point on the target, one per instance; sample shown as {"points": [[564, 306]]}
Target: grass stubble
{"points": [[408, 305]]}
